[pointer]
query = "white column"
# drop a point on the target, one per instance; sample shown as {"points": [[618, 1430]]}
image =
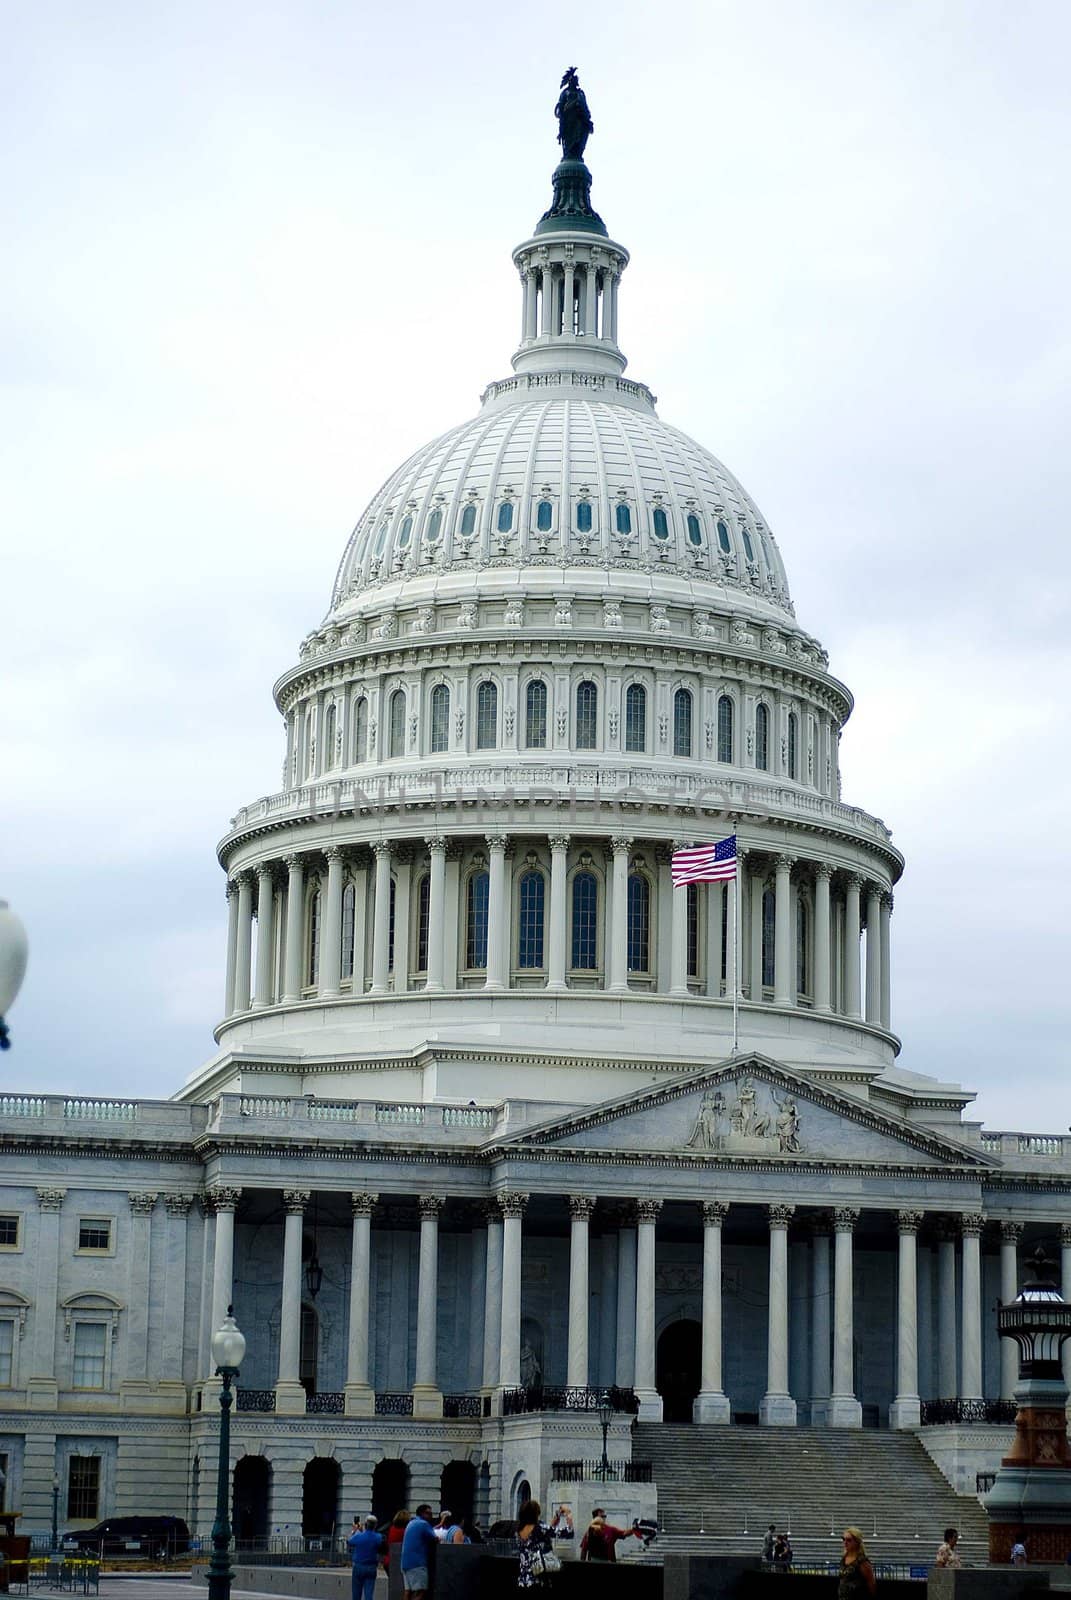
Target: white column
{"points": [[403, 888], [1010, 1234], [784, 984], [244, 945], [971, 1226], [756, 886], [567, 299], [497, 914], [559, 856], [646, 1393], [381, 918], [295, 928], [174, 1320], [360, 1398], [265, 936], [232, 947], [873, 954], [436, 915], [822, 874], [223, 1203], [716, 893], [331, 926], [778, 1407], [614, 280], [492, 1304], [590, 301], [139, 1277], [427, 1398], [619, 911], [548, 298], [711, 1404], [625, 1362], [844, 1409], [509, 1349], [580, 1208], [906, 1409], [947, 1342], [289, 1391], [851, 946], [678, 972], [886, 996], [820, 1322]]}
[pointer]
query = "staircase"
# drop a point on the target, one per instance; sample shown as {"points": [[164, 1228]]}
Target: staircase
{"points": [[719, 1488]]}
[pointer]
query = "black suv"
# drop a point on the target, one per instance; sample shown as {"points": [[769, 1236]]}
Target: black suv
{"points": [[156, 1537]]}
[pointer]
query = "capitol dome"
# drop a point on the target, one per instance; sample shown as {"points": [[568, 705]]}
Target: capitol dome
{"points": [[560, 646]]}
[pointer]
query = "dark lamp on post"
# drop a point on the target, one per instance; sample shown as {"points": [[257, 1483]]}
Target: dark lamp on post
{"points": [[228, 1351], [606, 1416], [314, 1277]]}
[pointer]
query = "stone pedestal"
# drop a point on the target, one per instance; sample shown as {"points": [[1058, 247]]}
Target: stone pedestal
{"points": [[777, 1411], [711, 1407], [905, 1414], [360, 1400], [1032, 1495], [427, 1401], [290, 1398]]}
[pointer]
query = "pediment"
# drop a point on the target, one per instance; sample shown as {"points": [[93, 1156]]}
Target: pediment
{"points": [[751, 1110]]}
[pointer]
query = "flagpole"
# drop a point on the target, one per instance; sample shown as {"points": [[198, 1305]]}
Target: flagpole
{"points": [[736, 956]]}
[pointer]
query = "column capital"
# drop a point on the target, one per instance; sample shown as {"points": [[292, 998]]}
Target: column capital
{"points": [[558, 841], [822, 871], [780, 1216], [620, 845], [142, 1205], [243, 878], [497, 841], [294, 863], [429, 1205], [853, 880], [334, 852], [295, 1201], [887, 900], [50, 1199], [971, 1224], [873, 890], [1012, 1232], [784, 863], [381, 847], [581, 1205], [362, 1203], [220, 1197], [232, 889], [1065, 1233], [909, 1221], [714, 1212], [266, 869], [648, 1210], [845, 1218], [436, 843], [178, 1205], [511, 1203]]}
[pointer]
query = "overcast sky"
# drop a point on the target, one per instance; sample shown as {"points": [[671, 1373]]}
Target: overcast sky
{"points": [[255, 254]]}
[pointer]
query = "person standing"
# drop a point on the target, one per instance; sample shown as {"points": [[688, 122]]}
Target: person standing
{"points": [[395, 1534], [947, 1555], [600, 1541], [1018, 1551], [418, 1552], [366, 1548], [856, 1579], [533, 1544], [768, 1544]]}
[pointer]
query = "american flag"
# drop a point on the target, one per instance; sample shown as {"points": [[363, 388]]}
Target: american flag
{"points": [[705, 863]]}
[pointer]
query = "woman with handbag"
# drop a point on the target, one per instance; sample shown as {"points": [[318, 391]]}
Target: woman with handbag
{"points": [[538, 1560]]}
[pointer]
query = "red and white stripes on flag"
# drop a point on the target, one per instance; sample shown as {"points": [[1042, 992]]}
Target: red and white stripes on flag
{"points": [[705, 863]]}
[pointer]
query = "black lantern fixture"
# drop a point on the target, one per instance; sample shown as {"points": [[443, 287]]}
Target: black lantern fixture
{"points": [[1039, 1320], [228, 1349], [606, 1416], [314, 1273]]}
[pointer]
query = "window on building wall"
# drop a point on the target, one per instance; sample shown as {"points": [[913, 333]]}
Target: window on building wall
{"points": [[309, 1349], [682, 723], [793, 745], [440, 718], [405, 532], [585, 921], [468, 519], [692, 918], [639, 923], [7, 1352], [725, 728], [636, 717], [397, 723], [476, 920], [530, 922], [83, 1488], [9, 1231], [435, 522], [803, 946], [330, 721], [390, 925], [723, 538], [623, 518], [90, 1345], [535, 715], [544, 516], [695, 530], [769, 920], [749, 548], [487, 716], [762, 737], [423, 912], [660, 523], [583, 516], [505, 516], [312, 959], [360, 731], [95, 1234], [587, 716], [349, 917]]}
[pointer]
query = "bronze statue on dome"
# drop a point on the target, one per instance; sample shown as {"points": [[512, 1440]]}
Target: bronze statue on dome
{"points": [[574, 119]]}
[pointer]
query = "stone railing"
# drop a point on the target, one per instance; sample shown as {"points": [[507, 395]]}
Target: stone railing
{"points": [[85, 1112], [1049, 1147], [471, 1124]]}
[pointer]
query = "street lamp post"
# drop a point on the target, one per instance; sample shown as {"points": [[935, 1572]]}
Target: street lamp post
{"points": [[228, 1349], [606, 1413], [55, 1512], [13, 955]]}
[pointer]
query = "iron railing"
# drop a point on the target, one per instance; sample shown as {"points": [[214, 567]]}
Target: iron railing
{"points": [[936, 1412], [564, 1397], [327, 1400], [254, 1400], [466, 1405], [613, 1472], [394, 1405]]}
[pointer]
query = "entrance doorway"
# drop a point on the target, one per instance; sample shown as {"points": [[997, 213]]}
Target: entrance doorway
{"points": [[319, 1498], [677, 1368], [252, 1500]]}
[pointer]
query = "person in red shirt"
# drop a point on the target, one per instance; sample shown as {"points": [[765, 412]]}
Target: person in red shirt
{"points": [[395, 1535], [600, 1541]]}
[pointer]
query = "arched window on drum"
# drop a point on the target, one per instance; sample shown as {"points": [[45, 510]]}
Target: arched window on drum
{"points": [[682, 723], [476, 901], [793, 745], [397, 723], [762, 737], [636, 718], [639, 923], [423, 916], [487, 716], [725, 728], [587, 716], [440, 718], [360, 731], [535, 715], [585, 942], [330, 726], [532, 895]]}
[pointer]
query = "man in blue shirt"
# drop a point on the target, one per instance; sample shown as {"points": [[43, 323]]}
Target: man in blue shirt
{"points": [[417, 1547], [365, 1547]]}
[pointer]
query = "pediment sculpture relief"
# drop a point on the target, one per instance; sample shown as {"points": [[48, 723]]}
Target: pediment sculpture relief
{"points": [[748, 1125]]}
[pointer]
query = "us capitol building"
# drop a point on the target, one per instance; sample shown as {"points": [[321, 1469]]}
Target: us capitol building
{"points": [[476, 1145]]}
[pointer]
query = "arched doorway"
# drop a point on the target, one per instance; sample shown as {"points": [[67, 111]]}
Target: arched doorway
{"points": [[390, 1489], [457, 1489], [251, 1514], [522, 1491], [319, 1498], [677, 1368]]}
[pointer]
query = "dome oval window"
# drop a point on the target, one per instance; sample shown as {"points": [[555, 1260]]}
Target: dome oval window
{"points": [[544, 516], [435, 522], [623, 518], [695, 532], [381, 538], [660, 523], [583, 516], [405, 533], [723, 538], [505, 516], [749, 548], [468, 519]]}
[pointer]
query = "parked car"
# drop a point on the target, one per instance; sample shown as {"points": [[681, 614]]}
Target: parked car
{"points": [[155, 1537]]}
